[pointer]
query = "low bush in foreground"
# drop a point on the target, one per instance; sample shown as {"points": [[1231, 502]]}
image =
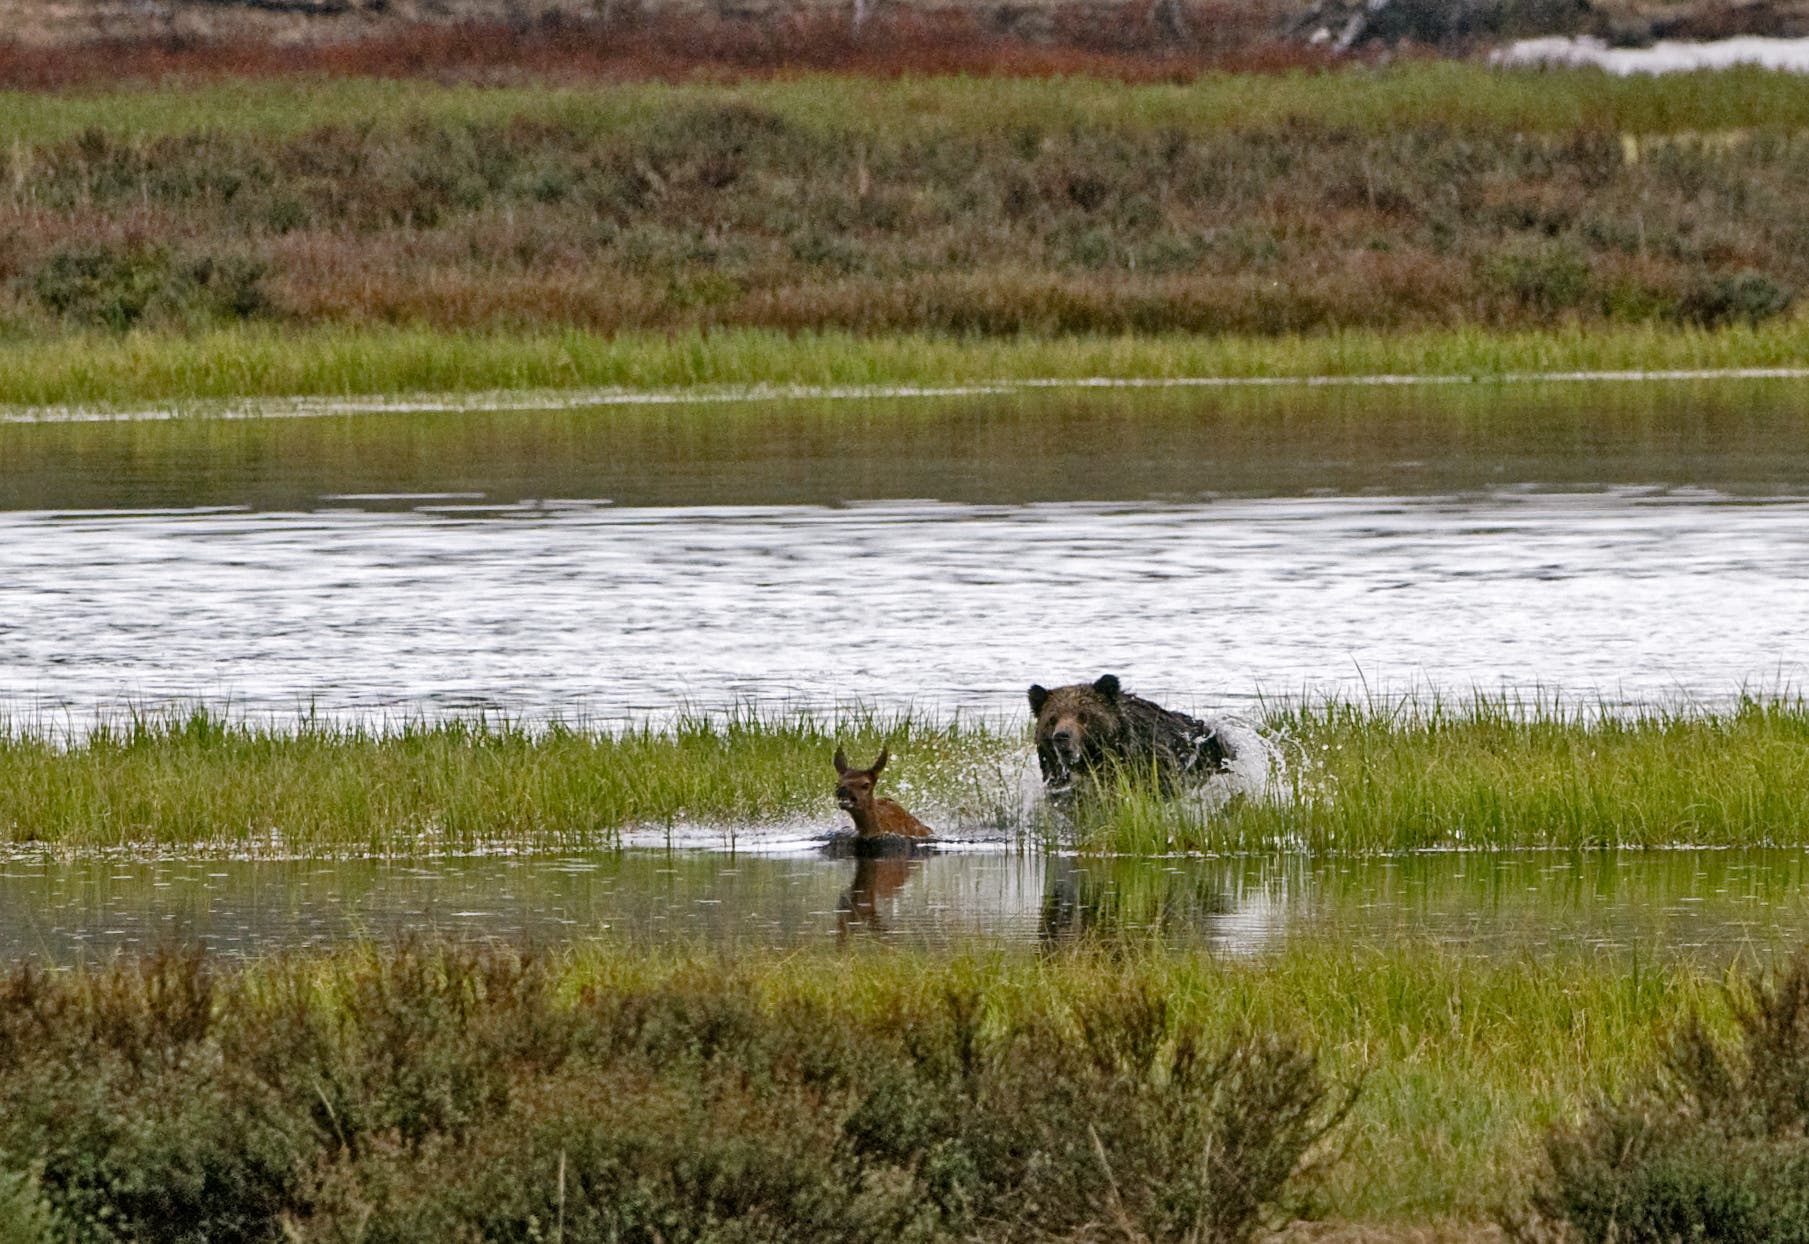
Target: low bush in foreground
{"points": [[1714, 1145], [443, 1094]]}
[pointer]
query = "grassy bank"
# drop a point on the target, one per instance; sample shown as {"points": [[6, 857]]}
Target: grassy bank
{"points": [[1443, 93], [834, 1094], [139, 371], [1484, 775], [1428, 197]]}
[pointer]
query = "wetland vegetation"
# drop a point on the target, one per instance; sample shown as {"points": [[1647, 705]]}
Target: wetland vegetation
{"points": [[262, 237], [992, 1096], [1482, 773], [224, 236]]}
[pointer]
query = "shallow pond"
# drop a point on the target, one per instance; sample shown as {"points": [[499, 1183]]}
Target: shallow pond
{"points": [[1620, 542], [1713, 906]]}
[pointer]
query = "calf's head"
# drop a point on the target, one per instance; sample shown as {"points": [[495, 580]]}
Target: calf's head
{"points": [[854, 787]]}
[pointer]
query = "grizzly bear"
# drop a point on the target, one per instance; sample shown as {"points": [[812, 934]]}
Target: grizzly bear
{"points": [[1089, 731]]}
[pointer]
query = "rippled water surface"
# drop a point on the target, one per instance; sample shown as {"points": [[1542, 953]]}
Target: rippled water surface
{"points": [[1626, 544], [1622, 542], [1708, 905]]}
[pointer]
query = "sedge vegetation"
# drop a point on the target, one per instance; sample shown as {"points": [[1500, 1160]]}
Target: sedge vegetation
{"points": [[195, 373], [1484, 774], [382, 235], [427, 1092]]}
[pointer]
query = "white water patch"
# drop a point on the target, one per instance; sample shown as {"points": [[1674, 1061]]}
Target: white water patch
{"points": [[1665, 56], [1254, 767], [495, 401]]}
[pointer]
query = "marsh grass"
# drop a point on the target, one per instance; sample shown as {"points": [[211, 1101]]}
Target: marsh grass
{"points": [[202, 778], [1491, 773], [1482, 773], [168, 371], [1446, 93]]}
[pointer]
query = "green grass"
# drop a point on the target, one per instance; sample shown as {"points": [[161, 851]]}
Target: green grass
{"points": [[1486, 774], [1492, 774], [198, 779], [171, 370], [1458, 96]]}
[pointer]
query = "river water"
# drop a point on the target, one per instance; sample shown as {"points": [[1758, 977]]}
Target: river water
{"points": [[1609, 543], [1713, 906], [1612, 544]]}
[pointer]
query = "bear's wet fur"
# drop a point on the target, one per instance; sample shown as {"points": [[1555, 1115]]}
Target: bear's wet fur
{"points": [[1089, 731]]}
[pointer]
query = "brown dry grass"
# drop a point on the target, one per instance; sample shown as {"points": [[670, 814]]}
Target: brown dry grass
{"points": [[1110, 39], [729, 215]]}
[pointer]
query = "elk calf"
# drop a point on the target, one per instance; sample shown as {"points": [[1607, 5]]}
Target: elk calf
{"points": [[873, 818]]}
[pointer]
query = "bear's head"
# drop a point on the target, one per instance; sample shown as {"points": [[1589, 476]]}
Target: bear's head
{"points": [[1076, 727]]}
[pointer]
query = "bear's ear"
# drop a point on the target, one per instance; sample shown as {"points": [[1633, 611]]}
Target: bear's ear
{"points": [[885, 754], [1039, 696], [841, 761], [1107, 686]]}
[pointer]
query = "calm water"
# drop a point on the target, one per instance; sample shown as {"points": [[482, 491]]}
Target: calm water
{"points": [[1624, 543], [1606, 542], [1708, 905]]}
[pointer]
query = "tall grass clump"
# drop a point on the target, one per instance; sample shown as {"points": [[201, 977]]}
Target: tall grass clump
{"points": [[1495, 773], [203, 778], [1711, 1144], [1484, 773], [430, 1093]]}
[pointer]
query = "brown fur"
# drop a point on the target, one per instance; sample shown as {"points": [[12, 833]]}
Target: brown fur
{"points": [[873, 818], [1086, 731]]}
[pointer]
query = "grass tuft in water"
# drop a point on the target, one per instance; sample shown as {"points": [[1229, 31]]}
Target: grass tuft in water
{"points": [[1483, 773], [201, 777]]}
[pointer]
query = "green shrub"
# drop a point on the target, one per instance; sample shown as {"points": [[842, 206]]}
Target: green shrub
{"points": [[101, 285], [430, 1093], [25, 1216], [1546, 281], [1713, 1146], [1743, 297], [117, 287]]}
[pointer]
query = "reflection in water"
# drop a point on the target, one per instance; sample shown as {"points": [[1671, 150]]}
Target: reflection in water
{"points": [[1711, 904], [864, 905], [1085, 899]]}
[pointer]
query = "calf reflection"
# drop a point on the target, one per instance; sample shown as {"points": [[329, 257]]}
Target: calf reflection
{"points": [[876, 880]]}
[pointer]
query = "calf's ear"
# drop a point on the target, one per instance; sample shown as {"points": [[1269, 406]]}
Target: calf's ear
{"points": [[841, 761], [1107, 686], [885, 754], [1039, 696]]}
